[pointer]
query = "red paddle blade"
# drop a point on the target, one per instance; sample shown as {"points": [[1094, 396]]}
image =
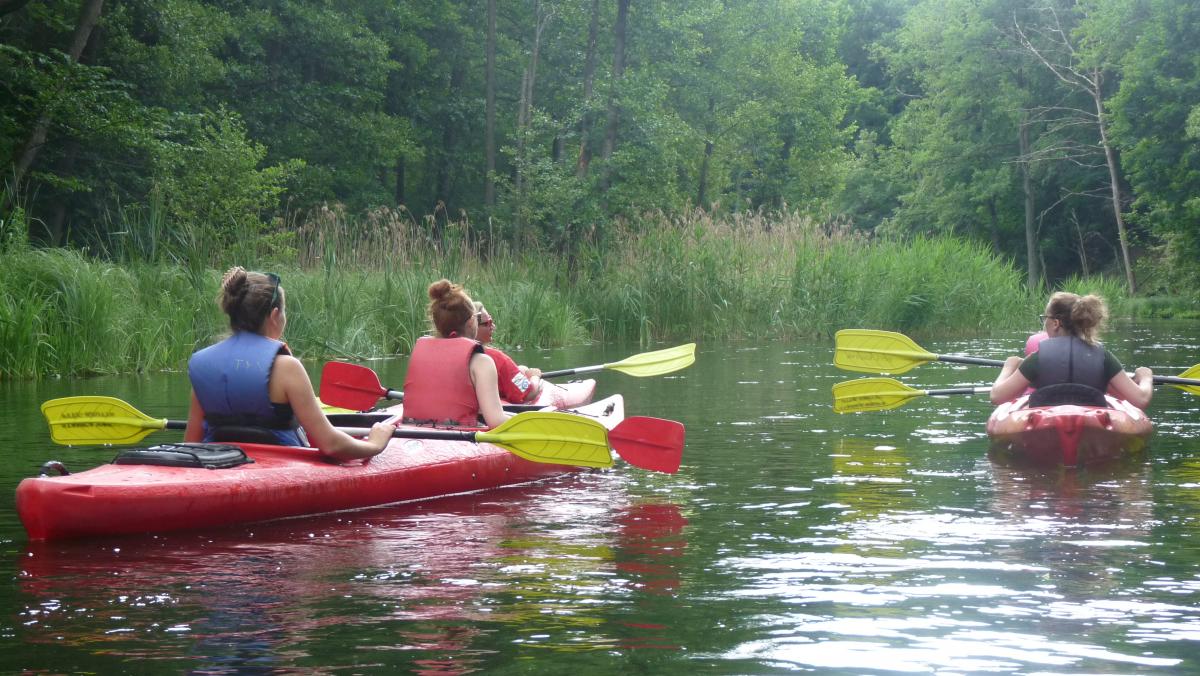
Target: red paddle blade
{"points": [[650, 443], [350, 386]]}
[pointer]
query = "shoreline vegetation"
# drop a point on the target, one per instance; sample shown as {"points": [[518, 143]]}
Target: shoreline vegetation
{"points": [[357, 289]]}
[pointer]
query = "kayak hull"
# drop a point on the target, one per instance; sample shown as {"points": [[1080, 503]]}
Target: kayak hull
{"points": [[280, 482], [1068, 435]]}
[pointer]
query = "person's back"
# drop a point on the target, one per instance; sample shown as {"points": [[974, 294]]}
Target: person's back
{"points": [[231, 380], [450, 381], [1072, 355], [250, 388], [437, 385], [1070, 360]]}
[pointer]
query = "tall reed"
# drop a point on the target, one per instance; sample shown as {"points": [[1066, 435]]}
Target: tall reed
{"points": [[756, 276], [356, 288]]}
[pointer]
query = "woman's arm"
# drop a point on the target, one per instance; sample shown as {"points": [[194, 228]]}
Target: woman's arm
{"points": [[195, 423], [1137, 390], [535, 383], [1010, 383], [483, 376], [289, 378]]}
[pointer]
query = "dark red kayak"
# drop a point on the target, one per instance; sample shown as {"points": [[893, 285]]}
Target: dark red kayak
{"points": [[1067, 434]]}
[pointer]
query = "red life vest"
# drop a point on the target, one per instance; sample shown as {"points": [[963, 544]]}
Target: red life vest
{"points": [[437, 387]]}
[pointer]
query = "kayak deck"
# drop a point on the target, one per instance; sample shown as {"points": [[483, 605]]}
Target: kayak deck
{"points": [[280, 482], [1068, 434]]}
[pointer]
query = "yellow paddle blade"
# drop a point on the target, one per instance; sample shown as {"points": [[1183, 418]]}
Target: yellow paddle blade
{"points": [[1194, 374], [557, 438], [871, 394], [656, 363], [97, 420], [872, 351]]}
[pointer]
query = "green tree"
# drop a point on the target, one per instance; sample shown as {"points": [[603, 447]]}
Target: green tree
{"points": [[1154, 113]]}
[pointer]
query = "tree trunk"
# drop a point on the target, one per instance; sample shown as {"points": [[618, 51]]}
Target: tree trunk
{"points": [[1083, 260], [618, 71], [401, 170], [489, 182], [89, 15], [785, 157], [1110, 157], [994, 225], [1031, 243], [517, 172], [589, 76], [449, 139], [528, 80], [709, 132]]}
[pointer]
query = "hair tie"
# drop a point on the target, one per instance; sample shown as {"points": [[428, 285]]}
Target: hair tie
{"points": [[454, 334]]}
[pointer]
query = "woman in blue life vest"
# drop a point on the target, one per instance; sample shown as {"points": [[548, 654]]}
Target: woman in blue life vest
{"points": [[450, 381], [1071, 354], [250, 388]]}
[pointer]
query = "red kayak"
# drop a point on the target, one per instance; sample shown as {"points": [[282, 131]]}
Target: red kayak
{"points": [[1068, 434], [270, 482]]}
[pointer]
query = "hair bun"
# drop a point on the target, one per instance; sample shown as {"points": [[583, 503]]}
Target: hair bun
{"points": [[440, 289], [1089, 313], [235, 281]]}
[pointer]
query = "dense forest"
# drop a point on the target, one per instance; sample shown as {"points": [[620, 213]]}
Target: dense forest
{"points": [[1062, 134]]}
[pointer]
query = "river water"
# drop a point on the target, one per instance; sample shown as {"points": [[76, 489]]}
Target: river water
{"points": [[792, 539]]}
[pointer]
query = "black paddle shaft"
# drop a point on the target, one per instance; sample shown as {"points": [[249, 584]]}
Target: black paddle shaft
{"points": [[978, 361]]}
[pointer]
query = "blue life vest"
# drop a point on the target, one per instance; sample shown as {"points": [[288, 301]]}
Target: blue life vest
{"points": [[230, 380], [437, 386]]}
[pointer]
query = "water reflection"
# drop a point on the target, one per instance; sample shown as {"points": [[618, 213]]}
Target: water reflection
{"points": [[442, 587], [901, 577], [792, 539]]}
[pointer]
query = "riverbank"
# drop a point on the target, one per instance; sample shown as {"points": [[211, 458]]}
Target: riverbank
{"points": [[744, 277]]}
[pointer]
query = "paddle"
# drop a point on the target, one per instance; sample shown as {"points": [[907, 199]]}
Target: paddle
{"points": [[882, 394], [358, 388], [870, 351], [642, 365], [557, 438], [351, 386]]}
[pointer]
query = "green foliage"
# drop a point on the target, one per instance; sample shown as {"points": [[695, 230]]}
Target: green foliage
{"points": [[210, 132], [1111, 289], [1153, 114], [917, 285], [747, 276], [60, 313], [209, 175]]}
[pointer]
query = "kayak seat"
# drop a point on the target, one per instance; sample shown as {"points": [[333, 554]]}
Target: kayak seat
{"points": [[207, 456], [357, 419], [246, 435], [1067, 393]]}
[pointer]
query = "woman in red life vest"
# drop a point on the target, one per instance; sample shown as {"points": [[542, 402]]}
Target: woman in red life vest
{"points": [[451, 381], [1071, 354], [249, 387], [518, 384]]}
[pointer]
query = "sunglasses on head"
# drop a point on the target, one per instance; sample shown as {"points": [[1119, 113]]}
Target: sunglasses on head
{"points": [[274, 279]]}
